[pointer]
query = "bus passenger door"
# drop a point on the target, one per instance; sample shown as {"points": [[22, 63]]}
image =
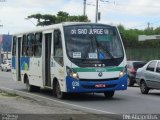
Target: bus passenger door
{"points": [[57, 59], [18, 64], [46, 56]]}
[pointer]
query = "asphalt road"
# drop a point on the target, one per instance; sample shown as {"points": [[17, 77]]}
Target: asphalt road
{"points": [[124, 102]]}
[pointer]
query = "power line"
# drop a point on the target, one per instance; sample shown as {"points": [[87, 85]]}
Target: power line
{"points": [[90, 4], [150, 23], [2, 0], [31, 21], [97, 13], [138, 5], [101, 2], [105, 2]]}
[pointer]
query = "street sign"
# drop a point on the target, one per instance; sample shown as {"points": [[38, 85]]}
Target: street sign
{"points": [[148, 37]]}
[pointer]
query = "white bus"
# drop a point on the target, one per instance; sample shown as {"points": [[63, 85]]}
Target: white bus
{"points": [[70, 58]]}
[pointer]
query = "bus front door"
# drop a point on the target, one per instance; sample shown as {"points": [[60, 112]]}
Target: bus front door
{"points": [[46, 53]]}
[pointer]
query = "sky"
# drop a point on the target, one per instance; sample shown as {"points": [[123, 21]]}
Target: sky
{"points": [[135, 14]]}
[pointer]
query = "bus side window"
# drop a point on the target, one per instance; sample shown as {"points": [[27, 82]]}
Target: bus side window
{"points": [[38, 45], [24, 46], [14, 46], [30, 39], [58, 50]]}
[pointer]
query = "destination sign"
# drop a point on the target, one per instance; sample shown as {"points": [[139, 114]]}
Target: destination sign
{"points": [[89, 31]]}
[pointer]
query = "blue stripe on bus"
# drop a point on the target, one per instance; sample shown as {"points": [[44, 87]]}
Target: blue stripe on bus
{"points": [[14, 62], [75, 86], [24, 61]]}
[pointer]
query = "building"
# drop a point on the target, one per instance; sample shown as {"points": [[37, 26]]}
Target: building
{"points": [[5, 47]]}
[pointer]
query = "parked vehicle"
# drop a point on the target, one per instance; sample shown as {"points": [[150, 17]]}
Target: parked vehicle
{"points": [[6, 65], [132, 67], [148, 77]]}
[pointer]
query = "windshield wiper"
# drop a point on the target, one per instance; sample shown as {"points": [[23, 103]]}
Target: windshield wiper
{"points": [[105, 50], [108, 52]]}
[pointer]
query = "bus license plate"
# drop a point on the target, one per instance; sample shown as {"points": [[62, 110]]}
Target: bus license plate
{"points": [[100, 86]]}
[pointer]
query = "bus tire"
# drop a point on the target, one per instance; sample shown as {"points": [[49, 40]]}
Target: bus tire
{"points": [[59, 93], [130, 82], [30, 88], [54, 86], [36, 88], [109, 94]]}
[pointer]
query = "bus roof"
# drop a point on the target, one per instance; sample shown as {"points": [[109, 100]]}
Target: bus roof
{"points": [[49, 27]]}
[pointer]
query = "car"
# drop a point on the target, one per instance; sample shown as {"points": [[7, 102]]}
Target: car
{"points": [[148, 77], [6, 65], [132, 67]]}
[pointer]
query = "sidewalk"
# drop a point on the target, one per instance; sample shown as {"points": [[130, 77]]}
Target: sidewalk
{"points": [[12, 103], [14, 107]]}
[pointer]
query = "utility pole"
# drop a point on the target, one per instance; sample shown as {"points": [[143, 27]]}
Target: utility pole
{"points": [[98, 14], [84, 9], [148, 25], [96, 18], [1, 24], [7, 45], [1, 46]]}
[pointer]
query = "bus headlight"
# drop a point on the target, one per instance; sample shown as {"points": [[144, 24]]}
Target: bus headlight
{"points": [[123, 72], [72, 73]]}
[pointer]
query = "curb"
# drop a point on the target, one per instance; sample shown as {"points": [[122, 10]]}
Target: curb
{"points": [[106, 116]]}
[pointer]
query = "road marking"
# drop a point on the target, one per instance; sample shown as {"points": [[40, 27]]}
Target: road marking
{"points": [[58, 101]]}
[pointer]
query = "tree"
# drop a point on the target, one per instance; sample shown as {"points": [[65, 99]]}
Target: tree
{"points": [[43, 20], [121, 28], [36, 16]]}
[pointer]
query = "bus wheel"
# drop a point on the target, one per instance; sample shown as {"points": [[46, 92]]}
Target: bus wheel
{"points": [[59, 93], [130, 82], [109, 94], [29, 87]]}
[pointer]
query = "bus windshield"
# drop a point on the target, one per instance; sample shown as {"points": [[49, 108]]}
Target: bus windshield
{"points": [[98, 42]]}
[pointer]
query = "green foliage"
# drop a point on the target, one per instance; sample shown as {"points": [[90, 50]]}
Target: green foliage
{"points": [[130, 37], [7, 94], [144, 54], [43, 20], [136, 50], [36, 16], [157, 30]]}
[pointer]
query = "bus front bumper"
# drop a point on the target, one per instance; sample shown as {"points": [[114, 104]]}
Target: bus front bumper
{"points": [[88, 86]]}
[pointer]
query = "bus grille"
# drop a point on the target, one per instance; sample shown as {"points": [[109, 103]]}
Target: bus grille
{"points": [[98, 80]]}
